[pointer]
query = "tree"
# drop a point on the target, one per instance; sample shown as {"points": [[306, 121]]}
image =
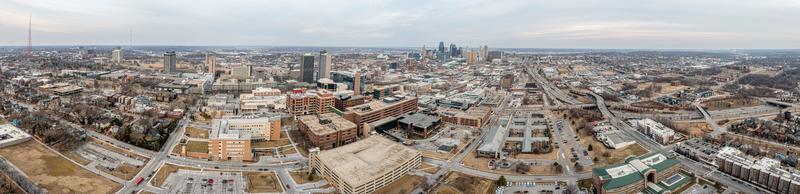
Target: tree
{"points": [[501, 181], [589, 147]]}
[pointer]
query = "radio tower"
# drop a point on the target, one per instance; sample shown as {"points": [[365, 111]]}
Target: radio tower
{"points": [[29, 51]]}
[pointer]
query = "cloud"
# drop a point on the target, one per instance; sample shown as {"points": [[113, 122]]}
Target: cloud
{"points": [[507, 23]]}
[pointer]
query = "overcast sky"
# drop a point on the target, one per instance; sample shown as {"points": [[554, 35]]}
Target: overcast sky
{"points": [[667, 24]]}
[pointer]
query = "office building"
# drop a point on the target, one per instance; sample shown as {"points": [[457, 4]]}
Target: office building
{"points": [[307, 68], [474, 117], [472, 57], [324, 65], [211, 62], [507, 81], [453, 50], [483, 53], [492, 55], [366, 165], [353, 80], [241, 72], [441, 47], [342, 102], [419, 125], [231, 138], [116, 55], [328, 130], [170, 60], [649, 173], [383, 110]]}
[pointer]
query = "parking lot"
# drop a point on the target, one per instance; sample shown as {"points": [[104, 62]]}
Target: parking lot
{"points": [[569, 138], [530, 188], [192, 181]]}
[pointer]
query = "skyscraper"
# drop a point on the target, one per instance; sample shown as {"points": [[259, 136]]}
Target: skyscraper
{"points": [[324, 65], [211, 61], [453, 50], [357, 83], [307, 68], [484, 53], [441, 47], [472, 57], [116, 55], [169, 62]]}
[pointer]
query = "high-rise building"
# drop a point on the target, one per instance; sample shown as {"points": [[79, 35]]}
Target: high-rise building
{"points": [[324, 65], [483, 53], [472, 57], [169, 62], [211, 62], [307, 68], [453, 50], [441, 47], [241, 72], [357, 83], [116, 55], [309, 102]]}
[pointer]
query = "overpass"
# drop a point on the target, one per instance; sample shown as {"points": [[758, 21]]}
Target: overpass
{"points": [[779, 103]]}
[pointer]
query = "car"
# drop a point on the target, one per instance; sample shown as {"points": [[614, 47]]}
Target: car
{"points": [[216, 167]]}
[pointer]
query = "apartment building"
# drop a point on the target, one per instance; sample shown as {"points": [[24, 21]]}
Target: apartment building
{"points": [[308, 102], [766, 172], [655, 130]]}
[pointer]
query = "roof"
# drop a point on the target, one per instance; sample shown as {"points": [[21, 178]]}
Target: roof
{"points": [[420, 120], [633, 170], [366, 160], [379, 104], [326, 123]]}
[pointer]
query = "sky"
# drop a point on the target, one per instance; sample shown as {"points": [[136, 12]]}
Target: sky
{"points": [[627, 24]]}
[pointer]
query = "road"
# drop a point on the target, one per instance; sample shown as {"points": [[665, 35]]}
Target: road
{"points": [[655, 147]]}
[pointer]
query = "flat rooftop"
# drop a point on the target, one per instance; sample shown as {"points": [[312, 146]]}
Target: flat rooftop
{"points": [[362, 161], [9, 135], [380, 104], [326, 123]]}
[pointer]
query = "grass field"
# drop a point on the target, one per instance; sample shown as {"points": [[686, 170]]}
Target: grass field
{"points": [[263, 182], [196, 133], [196, 146], [271, 144], [55, 173], [404, 185], [125, 171]]}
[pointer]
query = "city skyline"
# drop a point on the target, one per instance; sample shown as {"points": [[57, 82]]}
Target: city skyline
{"points": [[511, 24]]}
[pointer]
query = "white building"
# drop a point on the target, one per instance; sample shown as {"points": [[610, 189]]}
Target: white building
{"points": [[11, 135], [655, 130]]}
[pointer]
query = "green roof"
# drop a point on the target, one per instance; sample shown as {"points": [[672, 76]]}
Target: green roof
{"points": [[665, 164], [623, 181]]}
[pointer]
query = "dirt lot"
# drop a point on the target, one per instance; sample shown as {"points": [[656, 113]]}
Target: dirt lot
{"points": [[126, 172], [55, 173], [696, 129], [425, 167], [301, 177], [262, 182], [196, 133], [548, 156], [457, 183], [404, 185], [77, 158]]}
